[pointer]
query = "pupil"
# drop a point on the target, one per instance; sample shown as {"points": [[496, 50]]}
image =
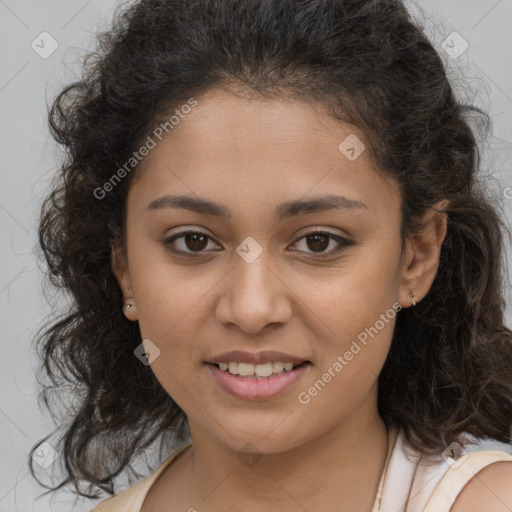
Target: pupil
{"points": [[317, 245], [194, 237]]}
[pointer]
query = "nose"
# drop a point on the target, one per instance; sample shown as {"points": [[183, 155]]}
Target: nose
{"points": [[254, 297]]}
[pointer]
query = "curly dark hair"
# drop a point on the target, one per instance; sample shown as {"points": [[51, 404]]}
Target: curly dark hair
{"points": [[370, 64]]}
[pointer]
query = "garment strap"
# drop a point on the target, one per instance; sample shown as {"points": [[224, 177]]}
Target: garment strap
{"points": [[457, 476]]}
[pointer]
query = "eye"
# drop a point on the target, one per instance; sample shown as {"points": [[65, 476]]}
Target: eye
{"points": [[318, 241], [194, 243], [194, 240]]}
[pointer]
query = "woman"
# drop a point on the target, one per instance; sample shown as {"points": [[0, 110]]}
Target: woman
{"points": [[278, 248]]}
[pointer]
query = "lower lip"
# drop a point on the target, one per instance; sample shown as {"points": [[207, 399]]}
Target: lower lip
{"points": [[257, 389]]}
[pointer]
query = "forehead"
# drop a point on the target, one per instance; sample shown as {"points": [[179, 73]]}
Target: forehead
{"points": [[264, 151]]}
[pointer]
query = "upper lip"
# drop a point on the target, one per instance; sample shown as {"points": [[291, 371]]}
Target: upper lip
{"points": [[267, 356]]}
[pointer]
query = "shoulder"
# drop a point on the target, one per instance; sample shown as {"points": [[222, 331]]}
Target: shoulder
{"points": [[126, 500], [132, 498], [490, 489]]}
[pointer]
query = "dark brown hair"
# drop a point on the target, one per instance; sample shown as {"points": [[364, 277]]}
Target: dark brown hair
{"points": [[449, 367]]}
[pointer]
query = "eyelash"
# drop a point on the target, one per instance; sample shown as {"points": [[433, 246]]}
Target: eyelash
{"points": [[344, 243]]}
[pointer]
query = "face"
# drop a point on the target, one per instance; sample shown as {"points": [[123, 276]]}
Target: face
{"points": [[320, 284]]}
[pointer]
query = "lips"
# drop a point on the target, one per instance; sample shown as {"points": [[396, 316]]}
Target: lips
{"points": [[250, 388], [267, 356]]}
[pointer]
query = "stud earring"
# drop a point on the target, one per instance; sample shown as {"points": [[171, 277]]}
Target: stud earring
{"points": [[412, 295], [130, 310]]}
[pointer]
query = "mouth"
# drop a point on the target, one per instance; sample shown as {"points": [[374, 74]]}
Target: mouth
{"points": [[257, 387]]}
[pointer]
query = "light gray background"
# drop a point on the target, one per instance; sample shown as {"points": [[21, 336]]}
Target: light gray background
{"points": [[482, 74]]}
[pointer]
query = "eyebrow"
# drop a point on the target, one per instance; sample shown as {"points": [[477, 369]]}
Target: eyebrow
{"points": [[282, 211]]}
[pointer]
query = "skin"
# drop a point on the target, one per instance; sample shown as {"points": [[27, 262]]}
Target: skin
{"points": [[251, 155], [490, 490]]}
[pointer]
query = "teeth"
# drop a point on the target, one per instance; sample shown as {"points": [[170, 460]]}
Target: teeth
{"points": [[256, 370], [277, 367]]}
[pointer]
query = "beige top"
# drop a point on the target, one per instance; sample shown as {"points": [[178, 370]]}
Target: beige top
{"points": [[412, 482]]}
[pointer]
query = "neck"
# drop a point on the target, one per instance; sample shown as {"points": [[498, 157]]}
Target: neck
{"points": [[346, 464]]}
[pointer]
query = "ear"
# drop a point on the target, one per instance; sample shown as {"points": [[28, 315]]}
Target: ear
{"points": [[422, 255], [119, 265]]}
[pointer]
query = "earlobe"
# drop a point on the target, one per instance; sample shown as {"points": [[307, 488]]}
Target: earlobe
{"points": [[130, 310], [119, 266], [423, 255]]}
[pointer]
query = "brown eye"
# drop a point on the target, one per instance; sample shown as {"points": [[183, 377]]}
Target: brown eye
{"points": [[190, 242], [318, 241], [195, 241]]}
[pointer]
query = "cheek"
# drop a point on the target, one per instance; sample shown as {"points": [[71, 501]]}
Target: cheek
{"points": [[349, 356], [353, 314], [169, 307], [352, 297], [168, 296]]}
